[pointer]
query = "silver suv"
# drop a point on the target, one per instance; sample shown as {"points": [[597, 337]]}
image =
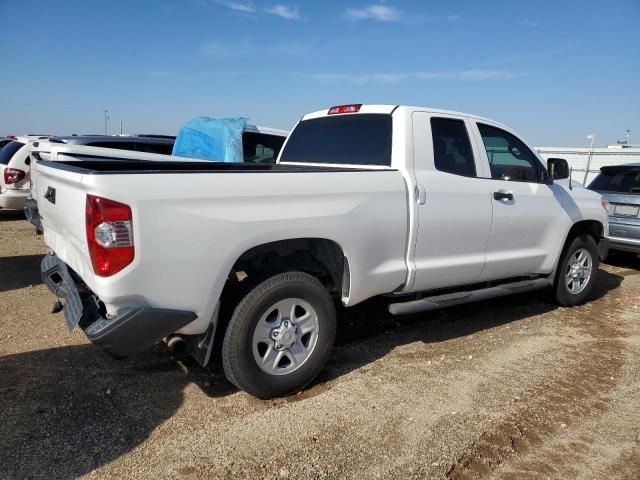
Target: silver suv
{"points": [[620, 185]]}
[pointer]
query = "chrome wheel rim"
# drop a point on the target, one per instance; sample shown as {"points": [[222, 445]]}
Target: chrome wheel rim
{"points": [[579, 269], [285, 336]]}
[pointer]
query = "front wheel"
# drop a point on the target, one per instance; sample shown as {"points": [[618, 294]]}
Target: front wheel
{"points": [[280, 335], [576, 271]]}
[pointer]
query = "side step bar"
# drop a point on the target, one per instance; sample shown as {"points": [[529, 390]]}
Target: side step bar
{"points": [[458, 298]]}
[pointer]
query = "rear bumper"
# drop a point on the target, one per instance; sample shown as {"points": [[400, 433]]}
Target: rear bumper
{"points": [[133, 331], [625, 244], [32, 214], [13, 199]]}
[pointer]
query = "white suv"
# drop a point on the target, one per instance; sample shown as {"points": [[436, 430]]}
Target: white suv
{"points": [[14, 172]]}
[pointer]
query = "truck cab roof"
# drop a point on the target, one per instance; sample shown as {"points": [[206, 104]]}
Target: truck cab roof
{"points": [[391, 109]]}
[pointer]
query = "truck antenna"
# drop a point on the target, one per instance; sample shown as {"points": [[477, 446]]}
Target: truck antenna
{"points": [[570, 178]]}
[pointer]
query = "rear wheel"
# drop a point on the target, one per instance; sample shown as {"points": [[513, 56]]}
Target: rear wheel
{"points": [[280, 335], [576, 271]]}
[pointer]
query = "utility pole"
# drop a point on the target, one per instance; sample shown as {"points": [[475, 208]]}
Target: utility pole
{"points": [[106, 120], [591, 136], [120, 127]]}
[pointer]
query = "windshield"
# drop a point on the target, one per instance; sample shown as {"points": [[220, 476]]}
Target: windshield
{"points": [[619, 180], [362, 139], [8, 150]]}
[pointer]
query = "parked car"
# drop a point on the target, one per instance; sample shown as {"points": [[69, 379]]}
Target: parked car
{"points": [[426, 208], [14, 168], [620, 185], [260, 145]]}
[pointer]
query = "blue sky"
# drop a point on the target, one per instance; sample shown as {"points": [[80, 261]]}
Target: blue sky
{"points": [[553, 70]]}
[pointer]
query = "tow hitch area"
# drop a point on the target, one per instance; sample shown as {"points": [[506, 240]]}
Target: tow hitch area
{"points": [[133, 331], [56, 276]]}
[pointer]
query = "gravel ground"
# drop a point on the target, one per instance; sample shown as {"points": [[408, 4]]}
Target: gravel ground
{"points": [[509, 388]]}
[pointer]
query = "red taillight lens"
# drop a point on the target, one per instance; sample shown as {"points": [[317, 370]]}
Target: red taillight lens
{"points": [[353, 108], [13, 175], [109, 235]]}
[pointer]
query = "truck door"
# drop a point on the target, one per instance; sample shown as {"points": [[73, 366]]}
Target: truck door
{"points": [[529, 223], [453, 204]]}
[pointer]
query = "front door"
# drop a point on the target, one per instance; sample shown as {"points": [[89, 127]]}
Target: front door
{"points": [[528, 220]]}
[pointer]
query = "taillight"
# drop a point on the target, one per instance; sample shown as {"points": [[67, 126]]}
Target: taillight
{"points": [[353, 108], [13, 175], [109, 235]]}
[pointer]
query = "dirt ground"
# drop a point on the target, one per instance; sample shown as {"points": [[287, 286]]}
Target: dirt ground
{"points": [[508, 388]]}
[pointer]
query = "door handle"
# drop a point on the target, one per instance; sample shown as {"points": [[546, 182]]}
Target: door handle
{"points": [[421, 194], [502, 195]]}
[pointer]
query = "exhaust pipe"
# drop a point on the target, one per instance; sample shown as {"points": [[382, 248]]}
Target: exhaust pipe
{"points": [[177, 345]]}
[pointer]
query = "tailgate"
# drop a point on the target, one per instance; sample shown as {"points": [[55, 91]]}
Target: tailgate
{"points": [[61, 198]]}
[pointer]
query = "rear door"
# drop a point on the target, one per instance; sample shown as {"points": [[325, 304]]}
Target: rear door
{"points": [[454, 207], [529, 223]]}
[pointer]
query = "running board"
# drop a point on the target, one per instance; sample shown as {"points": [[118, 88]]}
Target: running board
{"points": [[458, 298]]}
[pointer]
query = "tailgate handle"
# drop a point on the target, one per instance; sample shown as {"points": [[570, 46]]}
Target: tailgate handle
{"points": [[51, 195]]}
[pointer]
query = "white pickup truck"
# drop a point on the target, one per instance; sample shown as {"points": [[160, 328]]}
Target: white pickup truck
{"points": [[429, 208]]}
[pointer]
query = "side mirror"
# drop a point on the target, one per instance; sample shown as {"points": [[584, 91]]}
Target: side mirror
{"points": [[558, 168]]}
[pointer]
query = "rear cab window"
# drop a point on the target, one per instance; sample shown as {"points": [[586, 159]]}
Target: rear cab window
{"points": [[351, 139], [7, 152]]}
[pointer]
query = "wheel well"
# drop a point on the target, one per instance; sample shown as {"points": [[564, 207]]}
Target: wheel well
{"points": [[588, 227], [322, 258], [319, 257]]}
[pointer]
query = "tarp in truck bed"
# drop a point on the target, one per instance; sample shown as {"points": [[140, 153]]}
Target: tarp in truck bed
{"points": [[212, 139]]}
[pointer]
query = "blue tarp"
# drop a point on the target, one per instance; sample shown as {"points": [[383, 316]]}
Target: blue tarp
{"points": [[213, 139]]}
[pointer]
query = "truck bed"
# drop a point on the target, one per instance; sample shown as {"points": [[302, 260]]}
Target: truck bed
{"points": [[190, 227]]}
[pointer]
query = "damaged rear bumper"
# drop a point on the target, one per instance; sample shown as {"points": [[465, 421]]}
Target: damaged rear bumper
{"points": [[131, 332], [32, 214]]}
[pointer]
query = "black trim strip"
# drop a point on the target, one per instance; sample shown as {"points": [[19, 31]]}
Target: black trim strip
{"points": [[93, 166]]}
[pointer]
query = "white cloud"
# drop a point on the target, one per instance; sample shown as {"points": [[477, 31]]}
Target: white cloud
{"points": [[381, 13], [284, 11], [244, 7], [463, 75]]}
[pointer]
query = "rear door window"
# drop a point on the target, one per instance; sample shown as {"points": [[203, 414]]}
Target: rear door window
{"points": [[360, 139], [618, 180], [9, 150], [451, 147]]}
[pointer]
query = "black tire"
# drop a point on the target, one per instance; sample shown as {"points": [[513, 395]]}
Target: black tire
{"points": [[563, 295], [238, 360]]}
